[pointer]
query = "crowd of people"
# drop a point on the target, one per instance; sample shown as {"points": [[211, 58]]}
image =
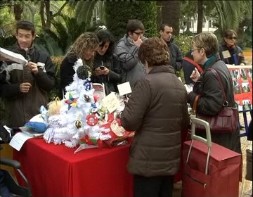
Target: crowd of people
{"points": [[157, 108]]}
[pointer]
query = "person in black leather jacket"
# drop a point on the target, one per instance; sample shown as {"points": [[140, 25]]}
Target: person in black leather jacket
{"points": [[204, 51]]}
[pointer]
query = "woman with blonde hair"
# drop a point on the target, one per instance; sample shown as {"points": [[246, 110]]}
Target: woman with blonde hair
{"points": [[83, 48]]}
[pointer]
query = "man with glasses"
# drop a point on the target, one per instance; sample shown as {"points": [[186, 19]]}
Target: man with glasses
{"points": [[229, 51], [166, 33], [127, 52]]}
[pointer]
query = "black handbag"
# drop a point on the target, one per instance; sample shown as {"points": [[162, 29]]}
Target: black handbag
{"points": [[225, 121]]}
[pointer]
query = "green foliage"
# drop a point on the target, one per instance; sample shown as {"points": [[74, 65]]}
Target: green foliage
{"points": [[247, 38], [183, 41], [117, 17], [48, 43], [57, 40], [6, 42], [56, 91]]}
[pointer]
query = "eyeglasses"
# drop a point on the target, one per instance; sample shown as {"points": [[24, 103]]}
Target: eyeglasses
{"points": [[138, 33], [232, 38], [192, 50]]}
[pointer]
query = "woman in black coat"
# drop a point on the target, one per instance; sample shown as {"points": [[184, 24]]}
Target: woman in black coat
{"points": [[83, 48], [207, 86], [106, 67]]}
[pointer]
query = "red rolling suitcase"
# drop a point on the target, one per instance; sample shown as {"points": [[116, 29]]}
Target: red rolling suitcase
{"points": [[210, 170]]}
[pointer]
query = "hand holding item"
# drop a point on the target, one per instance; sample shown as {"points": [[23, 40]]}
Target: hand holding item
{"points": [[195, 75], [138, 42], [33, 67], [25, 87], [188, 87], [102, 70]]}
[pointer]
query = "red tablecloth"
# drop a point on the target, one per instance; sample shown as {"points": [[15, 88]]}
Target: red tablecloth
{"points": [[55, 171]]}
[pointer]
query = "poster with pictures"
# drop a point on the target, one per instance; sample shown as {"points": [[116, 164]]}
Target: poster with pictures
{"points": [[242, 81]]}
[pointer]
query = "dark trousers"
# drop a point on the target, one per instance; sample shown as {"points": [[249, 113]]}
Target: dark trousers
{"points": [[158, 186], [4, 192]]}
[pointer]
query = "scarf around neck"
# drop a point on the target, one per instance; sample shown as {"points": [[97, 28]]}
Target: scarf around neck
{"points": [[210, 61]]}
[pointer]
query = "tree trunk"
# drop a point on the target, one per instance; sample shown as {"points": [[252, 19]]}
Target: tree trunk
{"points": [[18, 9], [42, 17], [48, 14], [169, 14], [200, 16]]}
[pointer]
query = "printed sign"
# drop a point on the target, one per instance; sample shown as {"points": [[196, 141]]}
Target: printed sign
{"points": [[242, 81]]}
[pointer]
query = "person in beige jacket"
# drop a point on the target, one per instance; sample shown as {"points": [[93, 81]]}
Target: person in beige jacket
{"points": [[157, 112]]}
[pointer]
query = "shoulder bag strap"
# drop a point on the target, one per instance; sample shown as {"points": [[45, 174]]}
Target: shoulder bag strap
{"points": [[221, 85], [195, 103], [194, 63]]}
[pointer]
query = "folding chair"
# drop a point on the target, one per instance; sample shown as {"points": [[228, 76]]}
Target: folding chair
{"points": [[9, 181]]}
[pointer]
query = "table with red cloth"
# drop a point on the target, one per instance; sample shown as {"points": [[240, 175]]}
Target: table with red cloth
{"points": [[55, 171]]}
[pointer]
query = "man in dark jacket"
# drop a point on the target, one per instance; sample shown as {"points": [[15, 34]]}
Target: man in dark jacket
{"points": [[166, 32], [26, 86]]}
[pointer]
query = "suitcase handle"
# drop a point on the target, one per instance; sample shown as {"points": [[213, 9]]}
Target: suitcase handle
{"points": [[207, 141]]}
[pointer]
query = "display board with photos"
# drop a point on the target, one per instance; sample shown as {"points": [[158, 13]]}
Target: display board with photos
{"points": [[242, 82]]}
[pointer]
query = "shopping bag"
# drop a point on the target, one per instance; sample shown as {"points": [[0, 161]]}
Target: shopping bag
{"points": [[210, 170]]}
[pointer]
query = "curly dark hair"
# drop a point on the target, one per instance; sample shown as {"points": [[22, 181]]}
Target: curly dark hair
{"points": [[155, 52]]}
